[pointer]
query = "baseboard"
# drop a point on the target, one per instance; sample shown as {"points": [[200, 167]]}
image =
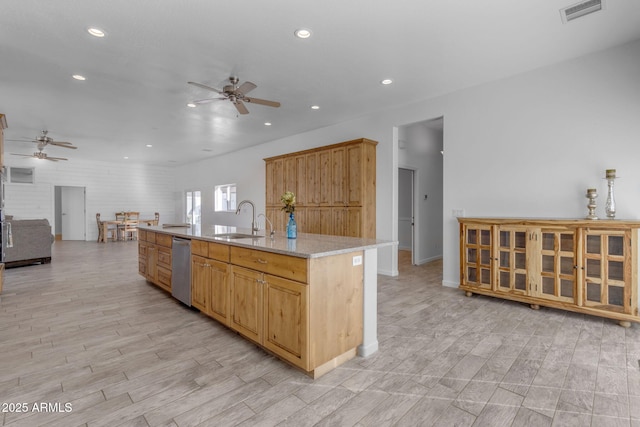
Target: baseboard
{"points": [[391, 273], [426, 260], [450, 284]]}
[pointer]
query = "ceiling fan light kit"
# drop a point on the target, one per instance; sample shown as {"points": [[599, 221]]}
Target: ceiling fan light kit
{"points": [[234, 93], [43, 140]]}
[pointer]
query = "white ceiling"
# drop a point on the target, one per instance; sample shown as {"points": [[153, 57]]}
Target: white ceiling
{"points": [[136, 89]]}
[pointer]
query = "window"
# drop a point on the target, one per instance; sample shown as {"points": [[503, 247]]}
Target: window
{"points": [[225, 198], [22, 175], [193, 205]]}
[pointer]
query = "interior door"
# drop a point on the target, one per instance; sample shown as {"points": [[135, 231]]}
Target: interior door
{"points": [[73, 213]]}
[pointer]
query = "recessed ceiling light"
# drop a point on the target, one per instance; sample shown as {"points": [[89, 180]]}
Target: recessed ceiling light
{"points": [[125, 157], [95, 32], [302, 33], [386, 81], [315, 107], [79, 77], [191, 105], [149, 145], [267, 123]]}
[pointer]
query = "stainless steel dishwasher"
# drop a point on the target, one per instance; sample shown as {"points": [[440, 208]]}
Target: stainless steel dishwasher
{"points": [[181, 270]]}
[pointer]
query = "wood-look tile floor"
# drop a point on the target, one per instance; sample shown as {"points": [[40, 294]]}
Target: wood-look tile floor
{"points": [[97, 345]]}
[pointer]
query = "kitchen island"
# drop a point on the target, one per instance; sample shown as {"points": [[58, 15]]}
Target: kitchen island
{"points": [[310, 301]]}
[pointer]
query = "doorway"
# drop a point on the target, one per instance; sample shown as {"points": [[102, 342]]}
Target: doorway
{"points": [[406, 214], [421, 168], [70, 208]]}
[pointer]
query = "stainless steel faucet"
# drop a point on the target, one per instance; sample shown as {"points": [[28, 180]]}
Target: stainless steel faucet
{"points": [[254, 228], [272, 232]]}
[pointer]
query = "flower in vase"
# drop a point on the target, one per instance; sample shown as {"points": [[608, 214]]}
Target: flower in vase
{"points": [[289, 200]]}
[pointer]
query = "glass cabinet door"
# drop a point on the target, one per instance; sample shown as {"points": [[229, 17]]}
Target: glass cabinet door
{"points": [[477, 269], [607, 267], [557, 265], [512, 260]]}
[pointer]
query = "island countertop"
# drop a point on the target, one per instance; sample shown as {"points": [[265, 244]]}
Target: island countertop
{"points": [[304, 246]]}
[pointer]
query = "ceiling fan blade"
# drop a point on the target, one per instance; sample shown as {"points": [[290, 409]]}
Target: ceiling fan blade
{"points": [[21, 140], [63, 144], [200, 85], [262, 102], [55, 159], [246, 87], [241, 107], [206, 100], [23, 155]]}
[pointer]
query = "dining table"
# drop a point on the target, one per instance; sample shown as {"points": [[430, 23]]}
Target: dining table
{"points": [[106, 223]]}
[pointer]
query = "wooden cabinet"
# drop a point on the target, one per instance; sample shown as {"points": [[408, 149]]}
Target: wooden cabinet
{"points": [[578, 265], [340, 177], [246, 302], [154, 258], [210, 279]]}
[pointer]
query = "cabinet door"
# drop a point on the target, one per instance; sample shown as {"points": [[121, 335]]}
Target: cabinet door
{"points": [[607, 269], [278, 180], [557, 265], [319, 220], [269, 184], [246, 302], [354, 184], [218, 306], [302, 194], [324, 177], [200, 279], [290, 176], [312, 185], [477, 265], [286, 319], [152, 264], [338, 176], [512, 260]]}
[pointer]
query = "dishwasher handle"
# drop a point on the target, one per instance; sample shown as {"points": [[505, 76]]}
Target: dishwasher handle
{"points": [[181, 242]]}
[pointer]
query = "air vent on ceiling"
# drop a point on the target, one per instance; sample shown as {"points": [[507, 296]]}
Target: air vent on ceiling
{"points": [[581, 9]]}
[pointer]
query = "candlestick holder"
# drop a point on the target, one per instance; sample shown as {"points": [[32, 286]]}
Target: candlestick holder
{"points": [[610, 207], [591, 195]]}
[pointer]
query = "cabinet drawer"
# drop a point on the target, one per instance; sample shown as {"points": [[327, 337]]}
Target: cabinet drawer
{"points": [[164, 256], [163, 240], [279, 265], [151, 237], [200, 248], [211, 250]]}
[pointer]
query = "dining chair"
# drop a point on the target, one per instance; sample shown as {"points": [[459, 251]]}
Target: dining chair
{"points": [[112, 230], [130, 227]]}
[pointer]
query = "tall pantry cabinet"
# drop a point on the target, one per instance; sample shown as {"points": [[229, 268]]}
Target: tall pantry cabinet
{"points": [[335, 188]]}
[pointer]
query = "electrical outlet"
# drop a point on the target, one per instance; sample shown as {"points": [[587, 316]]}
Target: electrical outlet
{"points": [[357, 260], [457, 213]]}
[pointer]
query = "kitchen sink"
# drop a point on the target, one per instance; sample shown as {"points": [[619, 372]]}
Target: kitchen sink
{"points": [[237, 236]]}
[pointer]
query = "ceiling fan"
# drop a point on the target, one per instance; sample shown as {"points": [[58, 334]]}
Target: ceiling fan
{"points": [[44, 140], [236, 94], [41, 155]]}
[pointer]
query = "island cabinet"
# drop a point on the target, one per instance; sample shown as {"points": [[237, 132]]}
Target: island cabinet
{"points": [[210, 279], [154, 258], [335, 188], [578, 265], [307, 311]]}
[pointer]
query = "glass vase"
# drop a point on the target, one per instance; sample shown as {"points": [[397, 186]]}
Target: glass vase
{"points": [[292, 227]]}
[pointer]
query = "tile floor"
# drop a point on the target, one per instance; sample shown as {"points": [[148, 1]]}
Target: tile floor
{"points": [[87, 331]]}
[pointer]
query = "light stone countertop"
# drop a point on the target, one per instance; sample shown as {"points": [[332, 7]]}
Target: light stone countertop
{"points": [[305, 246]]}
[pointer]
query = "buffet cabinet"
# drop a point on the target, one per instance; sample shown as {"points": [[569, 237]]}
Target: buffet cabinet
{"points": [[586, 266], [335, 188]]}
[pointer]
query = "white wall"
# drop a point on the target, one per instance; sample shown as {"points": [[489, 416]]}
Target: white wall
{"points": [[528, 146], [109, 188]]}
